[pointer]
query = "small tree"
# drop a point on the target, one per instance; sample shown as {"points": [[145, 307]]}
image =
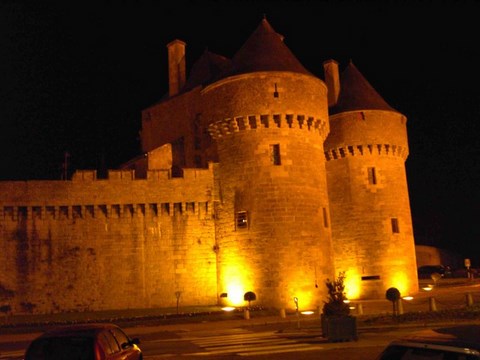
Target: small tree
{"points": [[249, 296], [336, 306], [393, 295]]}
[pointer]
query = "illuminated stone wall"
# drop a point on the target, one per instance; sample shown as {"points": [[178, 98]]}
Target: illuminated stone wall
{"points": [[91, 244], [285, 249], [369, 202], [283, 208]]}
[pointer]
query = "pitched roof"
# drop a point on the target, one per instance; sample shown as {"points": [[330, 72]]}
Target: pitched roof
{"points": [[264, 50], [356, 93], [205, 69]]}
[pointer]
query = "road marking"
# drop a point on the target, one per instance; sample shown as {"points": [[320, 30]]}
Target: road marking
{"points": [[249, 344]]}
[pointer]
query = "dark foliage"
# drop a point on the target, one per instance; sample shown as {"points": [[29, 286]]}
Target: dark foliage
{"points": [[336, 306]]}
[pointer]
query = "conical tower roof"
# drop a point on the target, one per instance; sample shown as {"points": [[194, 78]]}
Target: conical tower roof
{"points": [[264, 51], [206, 68], [356, 93]]}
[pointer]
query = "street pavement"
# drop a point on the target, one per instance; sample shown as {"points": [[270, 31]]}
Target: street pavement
{"points": [[263, 336]]}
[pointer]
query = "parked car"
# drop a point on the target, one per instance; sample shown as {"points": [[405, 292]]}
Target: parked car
{"points": [[84, 342], [426, 271], [452, 343]]}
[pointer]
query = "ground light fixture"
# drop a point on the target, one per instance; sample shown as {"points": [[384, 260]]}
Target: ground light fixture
{"points": [[228, 308], [307, 312], [346, 301]]}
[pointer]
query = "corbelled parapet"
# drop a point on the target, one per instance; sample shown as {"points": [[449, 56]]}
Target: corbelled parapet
{"points": [[257, 122]]}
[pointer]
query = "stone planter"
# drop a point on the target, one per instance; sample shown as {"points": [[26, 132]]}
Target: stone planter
{"points": [[339, 328]]}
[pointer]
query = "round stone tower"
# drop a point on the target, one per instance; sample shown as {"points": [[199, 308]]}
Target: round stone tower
{"points": [[370, 210], [269, 117]]}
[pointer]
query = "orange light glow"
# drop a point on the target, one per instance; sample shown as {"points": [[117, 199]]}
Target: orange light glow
{"points": [[352, 284], [401, 282], [235, 293], [236, 282]]}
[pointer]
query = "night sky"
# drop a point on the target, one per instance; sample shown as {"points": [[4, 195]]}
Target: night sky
{"points": [[75, 76]]}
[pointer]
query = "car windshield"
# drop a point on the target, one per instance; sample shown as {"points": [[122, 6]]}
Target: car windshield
{"points": [[61, 348]]}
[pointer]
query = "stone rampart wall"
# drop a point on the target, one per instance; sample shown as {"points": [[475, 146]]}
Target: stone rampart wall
{"points": [[91, 244]]}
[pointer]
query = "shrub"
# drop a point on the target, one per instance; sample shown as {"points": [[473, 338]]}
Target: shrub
{"points": [[335, 306]]}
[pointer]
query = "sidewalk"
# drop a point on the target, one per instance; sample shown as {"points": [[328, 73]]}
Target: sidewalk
{"points": [[450, 295]]}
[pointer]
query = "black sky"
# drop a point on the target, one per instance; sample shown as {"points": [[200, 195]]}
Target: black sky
{"points": [[76, 74]]}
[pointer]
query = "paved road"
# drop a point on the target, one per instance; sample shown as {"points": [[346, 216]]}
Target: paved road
{"points": [[289, 344], [259, 339], [266, 337]]}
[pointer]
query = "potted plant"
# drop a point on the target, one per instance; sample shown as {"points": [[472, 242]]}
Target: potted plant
{"points": [[337, 323]]}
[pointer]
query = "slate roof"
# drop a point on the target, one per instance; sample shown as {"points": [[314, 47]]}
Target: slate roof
{"points": [[206, 68], [356, 93], [264, 50]]}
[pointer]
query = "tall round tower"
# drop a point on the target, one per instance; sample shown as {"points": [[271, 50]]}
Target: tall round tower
{"points": [[269, 117], [370, 209]]}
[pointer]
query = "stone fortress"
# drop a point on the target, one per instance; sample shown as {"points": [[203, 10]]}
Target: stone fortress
{"points": [[256, 175]]}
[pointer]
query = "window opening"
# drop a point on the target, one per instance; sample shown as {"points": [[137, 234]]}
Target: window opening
{"points": [[395, 227], [275, 154], [275, 93], [372, 176], [242, 221], [371, 277]]}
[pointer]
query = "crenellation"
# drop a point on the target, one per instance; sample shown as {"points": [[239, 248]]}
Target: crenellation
{"points": [[236, 124], [358, 150], [77, 212], [84, 175], [121, 174], [277, 120], [351, 150]]}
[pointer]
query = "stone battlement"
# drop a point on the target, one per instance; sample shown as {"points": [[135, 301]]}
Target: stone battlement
{"points": [[251, 122], [104, 211], [119, 196], [370, 149]]}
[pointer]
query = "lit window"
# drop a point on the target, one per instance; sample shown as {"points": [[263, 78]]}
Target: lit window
{"points": [[275, 154], [395, 227], [372, 176], [242, 221]]}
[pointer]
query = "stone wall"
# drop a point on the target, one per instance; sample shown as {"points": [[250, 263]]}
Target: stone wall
{"points": [[90, 244]]}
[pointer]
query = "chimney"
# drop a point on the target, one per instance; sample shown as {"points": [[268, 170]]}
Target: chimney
{"points": [[176, 66], [332, 79]]}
